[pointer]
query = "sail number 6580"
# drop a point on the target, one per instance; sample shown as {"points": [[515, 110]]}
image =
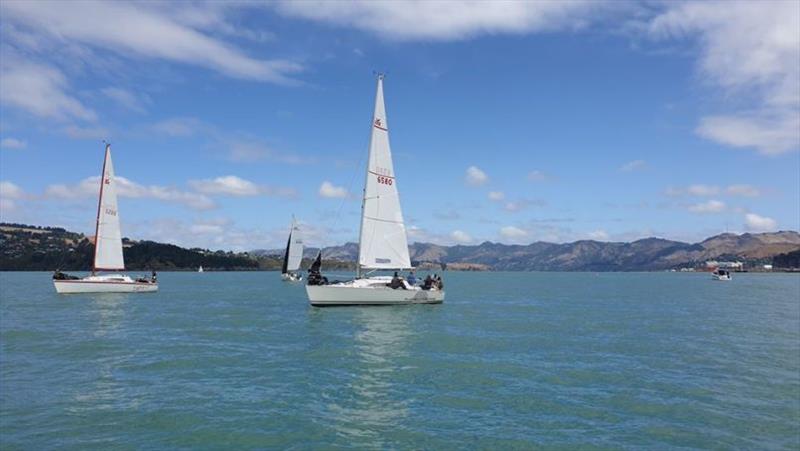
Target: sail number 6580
{"points": [[385, 180]]}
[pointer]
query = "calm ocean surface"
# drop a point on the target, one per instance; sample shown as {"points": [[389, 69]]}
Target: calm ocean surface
{"points": [[510, 360]]}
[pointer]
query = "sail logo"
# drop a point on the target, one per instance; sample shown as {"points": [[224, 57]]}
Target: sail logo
{"points": [[383, 260], [379, 124], [107, 181], [111, 212]]}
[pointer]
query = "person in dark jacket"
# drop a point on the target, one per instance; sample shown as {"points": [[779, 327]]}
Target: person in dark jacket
{"points": [[396, 282]]}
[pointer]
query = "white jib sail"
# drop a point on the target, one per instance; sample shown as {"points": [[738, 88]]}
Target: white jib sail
{"points": [[108, 239], [383, 243], [295, 248]]}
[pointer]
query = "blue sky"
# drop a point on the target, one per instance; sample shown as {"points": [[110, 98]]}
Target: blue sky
{"points": [[511, 122]]}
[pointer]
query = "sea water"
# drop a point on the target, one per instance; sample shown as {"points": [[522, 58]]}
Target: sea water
{"points": [[510, 360]]}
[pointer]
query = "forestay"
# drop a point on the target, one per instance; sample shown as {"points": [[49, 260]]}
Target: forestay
{"points": [[108, 237], [383, 243]]}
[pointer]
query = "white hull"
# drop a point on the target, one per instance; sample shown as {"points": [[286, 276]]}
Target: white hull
{"points": [[371, 291], [722, 278], [104, 284]]}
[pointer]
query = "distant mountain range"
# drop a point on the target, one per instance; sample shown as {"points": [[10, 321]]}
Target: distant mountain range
{"points": [[34, 248], [649, 254]]}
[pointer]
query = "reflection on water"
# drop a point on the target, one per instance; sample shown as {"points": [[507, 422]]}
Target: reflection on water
{"points": [[375, 404], [105, 320]]}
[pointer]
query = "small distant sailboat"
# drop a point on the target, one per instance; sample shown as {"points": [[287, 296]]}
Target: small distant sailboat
{"points": [[293, 255], [200, 269], [721, 274], [107, 248], [383, 244]]}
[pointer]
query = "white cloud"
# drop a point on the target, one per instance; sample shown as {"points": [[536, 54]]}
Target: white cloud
{"points": [[245, 150], [37, 88], [328, 189], [749, 49], [756, 223], [496, 196], [712, 206], [475, 176], [537, 176], [13, 143], [9, 190], [90, 133], [229, 184], [445, 20], [598, 235], [145, 29], [178, 126], [632, 166], [513, 233], [460, 237], [743, 190], [124, 98], [771, 136], [702, 190], [89, 187], [9, 194], [521, 204], [232, 185]]}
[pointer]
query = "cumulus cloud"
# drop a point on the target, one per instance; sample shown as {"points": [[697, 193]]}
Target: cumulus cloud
{"points": [[513, 233], [460, 237], [13, 143], [743, 190], [496, 196], [329, 190], [89, 187], [231, 185], [712, 206], [9, 194], [475, 176], [756, 223], [631, 166], [700, 190]]}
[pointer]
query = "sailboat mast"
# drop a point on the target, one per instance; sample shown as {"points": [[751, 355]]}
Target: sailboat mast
{"points": [[99, 205]]}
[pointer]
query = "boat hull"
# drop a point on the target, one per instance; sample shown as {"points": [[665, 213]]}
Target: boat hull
{"points": [[289, 277], [95, 284], [331, 295]]}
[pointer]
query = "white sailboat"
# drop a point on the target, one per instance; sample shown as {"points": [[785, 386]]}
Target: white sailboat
{"points": [[382, 241], [107, 248], [200, 268], [293, 255]]}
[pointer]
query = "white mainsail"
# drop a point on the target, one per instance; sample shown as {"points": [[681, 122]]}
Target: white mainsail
{"points": [[108, 237], [295, 253], [382, 243]]}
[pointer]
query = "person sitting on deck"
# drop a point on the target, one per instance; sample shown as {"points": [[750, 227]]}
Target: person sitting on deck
{"points": [[428, 283], [412, 279], [396, 282]]}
